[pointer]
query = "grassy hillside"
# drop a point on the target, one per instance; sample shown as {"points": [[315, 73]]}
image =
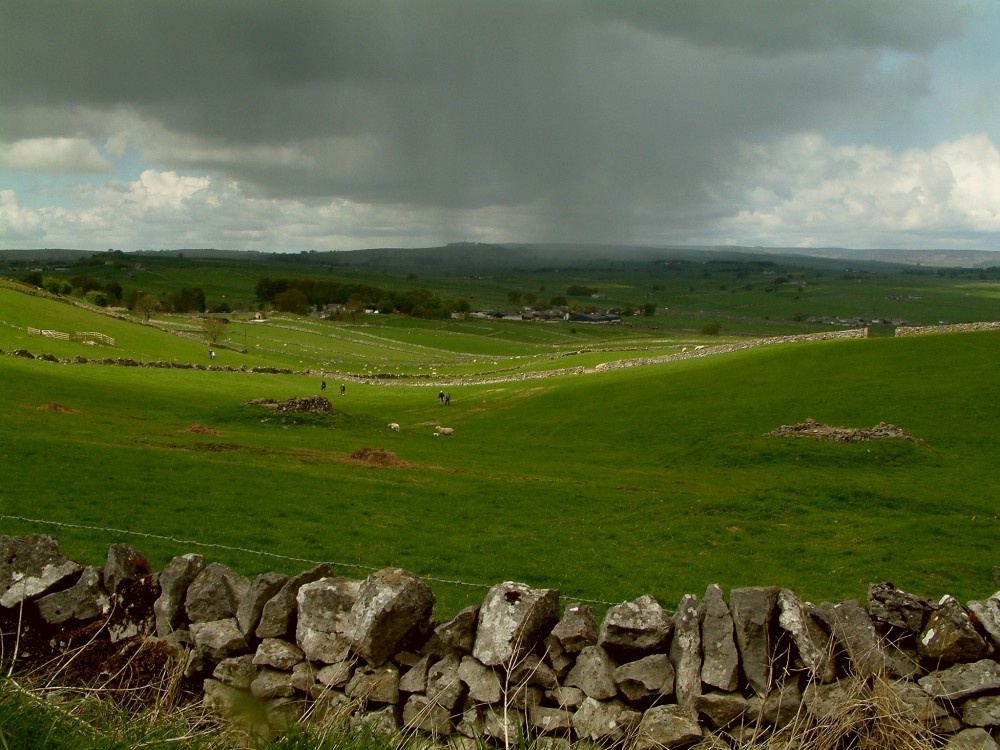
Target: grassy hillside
{"points": [[659, 479]]}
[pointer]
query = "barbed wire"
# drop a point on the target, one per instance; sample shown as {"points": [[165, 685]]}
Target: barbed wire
{"points": [[249, 551]]}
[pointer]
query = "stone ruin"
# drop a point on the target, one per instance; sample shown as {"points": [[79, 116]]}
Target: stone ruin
{"points": [[520, 664]]}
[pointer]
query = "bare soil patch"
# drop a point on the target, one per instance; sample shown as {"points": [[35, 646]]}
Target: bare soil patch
{"points": [[378, 457], [812, 428], [201, 430], [56, 406]]}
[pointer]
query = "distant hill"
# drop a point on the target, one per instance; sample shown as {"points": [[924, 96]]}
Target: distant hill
{"points": [[468, 257]]}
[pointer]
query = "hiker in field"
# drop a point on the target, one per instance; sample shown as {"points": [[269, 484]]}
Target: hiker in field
{"points": [[343, 389], [447, 399], [440, 397], [211, 354], [323, 386]]}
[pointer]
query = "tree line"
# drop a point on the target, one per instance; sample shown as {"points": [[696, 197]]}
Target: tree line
{"points": [[300, 295]]}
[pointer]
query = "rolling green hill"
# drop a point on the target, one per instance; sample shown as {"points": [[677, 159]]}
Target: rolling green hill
{"points": [[610, 484]]}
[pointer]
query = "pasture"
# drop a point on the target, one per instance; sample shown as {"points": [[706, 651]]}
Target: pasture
{"points": [[659, 479]]}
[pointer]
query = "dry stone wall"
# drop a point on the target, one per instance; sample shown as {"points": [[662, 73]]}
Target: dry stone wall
{"points": [[713, 672], [954, 328]]}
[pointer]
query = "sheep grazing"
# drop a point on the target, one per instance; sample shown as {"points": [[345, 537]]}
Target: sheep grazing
{"points": [[394, 426], [448, 431]]}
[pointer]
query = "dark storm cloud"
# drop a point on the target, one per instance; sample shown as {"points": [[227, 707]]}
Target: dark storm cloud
{"points": [[599, 113]]}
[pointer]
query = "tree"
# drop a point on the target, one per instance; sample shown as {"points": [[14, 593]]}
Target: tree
{"points": [[145, 305], [513, 296], [710, 329], [293, 301], [213, 329], [649, 309]]}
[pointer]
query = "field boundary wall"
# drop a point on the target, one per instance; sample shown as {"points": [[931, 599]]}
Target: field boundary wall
{"points": [[723, 667]]}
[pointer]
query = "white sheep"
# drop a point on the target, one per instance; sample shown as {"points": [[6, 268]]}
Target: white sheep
{"points": [[394, 426], [448, 431]]}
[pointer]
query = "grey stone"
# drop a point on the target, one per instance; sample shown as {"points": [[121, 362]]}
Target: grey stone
{"points": [[566, 697], [375, 685], [720, 661], [512, 620], [219, 639], [898, 608], [455, 636], [637, 628], [544, 720], [472, 721], [983, 711], [483, 683], [327, 648], [325, 604], [174, 582], [685, 651], [987, 614], [393, 607], [444, 686], [666, 727], [132, 610], [422, 714], [963, 680], [124, 563], [278, 617], [604, 721], [780, 706], [380, 721], [576, 630], [414, 680], [829, 702], [502, 726], [852, 629], [812, 642], [214, 594], [950, 635], [721, 709], [84, 600], [330, 707], [904, 659], [262, 589], [530, 670], [908, 701], [323, 610], [279, 654], [336, 675], [271, 683], [30, 567], [594, 674], [972, 739], [649, 677], [284, 712], [236, 671], [753, 611], [524, 697]]}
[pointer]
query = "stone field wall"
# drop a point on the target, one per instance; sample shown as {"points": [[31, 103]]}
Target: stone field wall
{"points": [[708, 672]]}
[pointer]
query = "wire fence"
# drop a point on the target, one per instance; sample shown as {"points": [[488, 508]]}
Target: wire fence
{"points": [[259, 553]]}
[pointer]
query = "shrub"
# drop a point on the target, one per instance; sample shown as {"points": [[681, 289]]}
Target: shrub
{"points": [[710, 329]]}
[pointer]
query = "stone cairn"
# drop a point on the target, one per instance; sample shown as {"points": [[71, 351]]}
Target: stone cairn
{"points": [[710, 675]]}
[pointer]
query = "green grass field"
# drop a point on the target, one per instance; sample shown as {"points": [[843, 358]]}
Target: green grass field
{"points": [[659, 479]]}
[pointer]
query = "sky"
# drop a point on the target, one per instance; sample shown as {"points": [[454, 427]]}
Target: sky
{"points": [[346, 124]]}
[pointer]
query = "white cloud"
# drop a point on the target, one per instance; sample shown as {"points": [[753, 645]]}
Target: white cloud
{"points": [[73, 155], [803, 187], [17, 222]]}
